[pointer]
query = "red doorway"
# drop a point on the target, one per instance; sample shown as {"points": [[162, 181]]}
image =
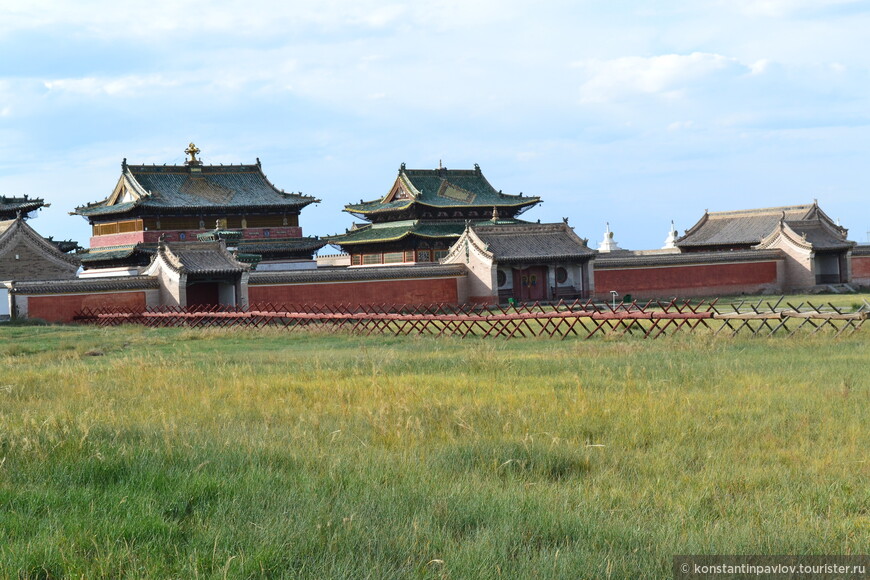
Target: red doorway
{"points": [[530, 284]]}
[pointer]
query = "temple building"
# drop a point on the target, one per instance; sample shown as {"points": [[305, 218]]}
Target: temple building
{"points": [[816, 249], [525, 262], [179, 203], [795, 248], [423, 214]]}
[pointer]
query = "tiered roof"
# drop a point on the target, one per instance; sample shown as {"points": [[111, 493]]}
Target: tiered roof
{"points": [[168, 189], [441, 188]]}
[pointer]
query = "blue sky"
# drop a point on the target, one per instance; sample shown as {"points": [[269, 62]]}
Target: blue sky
{"points": [[610, 111]]}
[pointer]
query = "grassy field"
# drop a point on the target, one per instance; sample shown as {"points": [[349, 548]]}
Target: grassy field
{"points": [[258, 454]]}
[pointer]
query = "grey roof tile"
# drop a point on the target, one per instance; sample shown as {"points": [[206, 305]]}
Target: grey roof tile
{"points": [[532, 242]]}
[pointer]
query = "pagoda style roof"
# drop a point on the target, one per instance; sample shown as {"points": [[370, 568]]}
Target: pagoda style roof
{"points": [[441, 188], [749, 227], [11, 206], [395, 231], [193, 187], [529, 243]]}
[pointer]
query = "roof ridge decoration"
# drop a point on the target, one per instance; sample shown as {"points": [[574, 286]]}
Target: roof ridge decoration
{"points": [[192, 151]]}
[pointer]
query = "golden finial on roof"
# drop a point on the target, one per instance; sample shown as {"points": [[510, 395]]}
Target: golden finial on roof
{"points": [[192, 150]]}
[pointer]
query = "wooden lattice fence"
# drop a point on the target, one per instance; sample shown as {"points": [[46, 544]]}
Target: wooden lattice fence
{"points": [[563, 319]]}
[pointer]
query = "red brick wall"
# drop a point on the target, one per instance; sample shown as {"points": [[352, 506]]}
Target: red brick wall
{"points": [[63, 308], [428, 291], [697, 280], [861, 270]]}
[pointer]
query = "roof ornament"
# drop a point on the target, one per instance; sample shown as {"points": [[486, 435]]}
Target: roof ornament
{"points": [[494, 214], [124, 164], [565, 220], [402, 167], [192, 150], [477, 169]]}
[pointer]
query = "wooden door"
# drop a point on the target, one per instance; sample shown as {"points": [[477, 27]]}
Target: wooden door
{"points": [[530, 284]]}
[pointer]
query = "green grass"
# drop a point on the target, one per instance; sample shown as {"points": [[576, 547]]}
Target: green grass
{"points": [[137, 453]]}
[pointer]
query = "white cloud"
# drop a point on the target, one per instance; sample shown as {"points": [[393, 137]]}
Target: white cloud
{"points": [[783, 8], [681, 125], [120, 86], [666, 76], [759, 66]]}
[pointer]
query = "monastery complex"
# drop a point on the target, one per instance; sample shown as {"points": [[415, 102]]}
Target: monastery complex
{"points": [[205, 235]]}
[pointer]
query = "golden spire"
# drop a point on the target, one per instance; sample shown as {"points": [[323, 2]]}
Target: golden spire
{"points": [[192, 150]]}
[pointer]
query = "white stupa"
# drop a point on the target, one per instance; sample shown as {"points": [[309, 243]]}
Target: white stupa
{"points": [[608, 244], [671, 242]]}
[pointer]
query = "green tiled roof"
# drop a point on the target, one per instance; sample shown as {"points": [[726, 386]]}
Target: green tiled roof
{"points": [[270, 247], [208, 187], [109, 254], [394, 231], [444, 188]]}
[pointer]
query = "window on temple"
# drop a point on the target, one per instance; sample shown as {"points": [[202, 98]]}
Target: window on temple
{"points": [[440, 254], [409, 255], [424, 256], [356, 260], [501, 278], [371, 259], [394, 257], [561, 275]]}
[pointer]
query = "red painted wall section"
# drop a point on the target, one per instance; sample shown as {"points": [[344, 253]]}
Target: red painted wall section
{"points": [[63, 308], [117, 239], [861, 267], [152, 236], [359, 293], [686, 280]]}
